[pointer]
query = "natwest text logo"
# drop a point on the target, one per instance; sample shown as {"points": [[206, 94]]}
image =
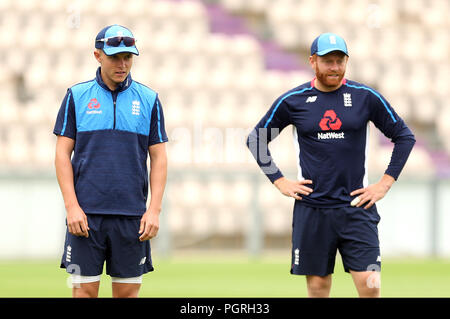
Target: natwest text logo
{"points": [[330, 122], [93, 107]]}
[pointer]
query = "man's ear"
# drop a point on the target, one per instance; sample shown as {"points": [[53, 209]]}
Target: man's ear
{"points": [[312, 60], [97, 55]]}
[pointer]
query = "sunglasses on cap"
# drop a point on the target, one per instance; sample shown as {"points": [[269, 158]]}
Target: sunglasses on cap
{"points": [[115, 41]]}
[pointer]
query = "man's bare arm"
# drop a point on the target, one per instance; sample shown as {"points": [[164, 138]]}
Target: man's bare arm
{"points": [[158, 174], [76, 219]]}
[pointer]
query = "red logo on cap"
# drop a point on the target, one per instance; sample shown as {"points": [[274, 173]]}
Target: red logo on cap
{"points": [[93, 104], [330, 121]]}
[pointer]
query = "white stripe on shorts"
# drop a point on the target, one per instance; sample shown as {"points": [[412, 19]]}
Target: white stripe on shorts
{"points": [[130, 280], [78, 279]]}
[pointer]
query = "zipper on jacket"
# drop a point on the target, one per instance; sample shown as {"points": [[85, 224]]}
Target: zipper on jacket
{"points": [[114, 124], [114, 97]]}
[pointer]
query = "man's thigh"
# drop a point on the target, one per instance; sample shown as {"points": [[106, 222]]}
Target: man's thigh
{"points": [[359, 244], [127, 257], [314, 242], [85, 256]]}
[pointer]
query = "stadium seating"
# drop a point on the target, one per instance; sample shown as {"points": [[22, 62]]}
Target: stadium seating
{"points": [[217, 74]]}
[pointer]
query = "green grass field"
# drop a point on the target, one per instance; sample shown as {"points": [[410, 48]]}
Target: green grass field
{"points": [[230, 276]]}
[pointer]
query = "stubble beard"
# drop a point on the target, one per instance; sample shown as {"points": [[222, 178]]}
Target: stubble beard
{"points": [[327, 82]]}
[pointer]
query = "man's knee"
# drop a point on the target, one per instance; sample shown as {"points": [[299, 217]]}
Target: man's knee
{"points": [[318, 286], [85, 290], [121, 290], [367, 283], [126, 287]]}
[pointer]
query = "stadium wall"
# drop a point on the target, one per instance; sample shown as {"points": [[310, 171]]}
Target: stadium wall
{"points": [[414, 219]]}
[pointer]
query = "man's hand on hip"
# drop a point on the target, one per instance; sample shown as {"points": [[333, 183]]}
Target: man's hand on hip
{"points": [[292, 188], [373, 192]]}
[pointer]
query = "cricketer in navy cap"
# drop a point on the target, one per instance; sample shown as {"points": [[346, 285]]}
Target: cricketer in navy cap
{"points": [[115, 39]]}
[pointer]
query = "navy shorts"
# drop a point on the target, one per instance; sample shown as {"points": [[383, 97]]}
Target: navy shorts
{"points": [[113, 239], [318, 233]]}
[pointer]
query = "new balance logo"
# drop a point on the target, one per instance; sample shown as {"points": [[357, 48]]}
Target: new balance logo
{"points": [[347, 99], [311, 99], [142, 261]]}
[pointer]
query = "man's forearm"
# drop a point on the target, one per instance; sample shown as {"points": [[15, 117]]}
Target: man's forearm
{"points": [[402, 148], [258, 144], [158, 176], [386, 182], [64, 174]]}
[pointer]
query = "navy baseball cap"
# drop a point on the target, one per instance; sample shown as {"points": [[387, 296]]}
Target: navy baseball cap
{"points": [[112, 32], [328, 42]]}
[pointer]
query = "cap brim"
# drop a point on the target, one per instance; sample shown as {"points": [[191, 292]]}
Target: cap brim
{"points": [[120, 49], [323, 52]]}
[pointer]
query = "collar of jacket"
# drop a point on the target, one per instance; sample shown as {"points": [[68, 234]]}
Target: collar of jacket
{"points": [[121, 87]]}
